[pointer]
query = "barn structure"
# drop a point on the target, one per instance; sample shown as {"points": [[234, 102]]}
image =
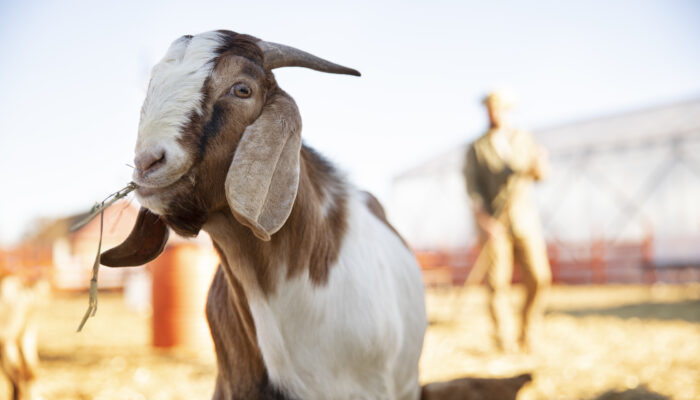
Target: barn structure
{"points": [[622, 203], [66, 257], [172, 287]]}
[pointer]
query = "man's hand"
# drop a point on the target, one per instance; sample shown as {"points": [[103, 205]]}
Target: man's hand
{"points": [[540, 165], [491, 226]]}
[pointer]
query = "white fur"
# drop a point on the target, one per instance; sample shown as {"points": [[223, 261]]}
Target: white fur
{"points": [[328, 198], [358, 337], [174, 92]]}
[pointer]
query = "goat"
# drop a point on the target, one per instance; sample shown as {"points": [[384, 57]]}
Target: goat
{"points": [[18, 332], [316, 296]]}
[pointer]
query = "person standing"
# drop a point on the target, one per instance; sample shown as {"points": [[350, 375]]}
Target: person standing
{"points": [[500, 169]]}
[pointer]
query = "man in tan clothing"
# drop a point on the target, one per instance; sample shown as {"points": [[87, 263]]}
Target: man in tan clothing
{"points": [[500, 169]]}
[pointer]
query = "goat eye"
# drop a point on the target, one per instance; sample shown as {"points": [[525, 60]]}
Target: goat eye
{"points": [[241, 90]]}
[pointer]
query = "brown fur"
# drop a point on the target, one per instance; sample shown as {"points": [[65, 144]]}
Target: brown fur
{"points": [[242, 373], [307, 243]]}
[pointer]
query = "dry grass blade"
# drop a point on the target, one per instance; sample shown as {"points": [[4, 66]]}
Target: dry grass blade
{"points": [[92, 305], [98, 208]]}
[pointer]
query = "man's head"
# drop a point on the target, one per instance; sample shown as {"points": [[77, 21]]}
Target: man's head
{"points": [[498, 103]]}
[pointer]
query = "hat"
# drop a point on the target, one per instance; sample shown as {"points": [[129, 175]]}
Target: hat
{"points": [[501, 99]]}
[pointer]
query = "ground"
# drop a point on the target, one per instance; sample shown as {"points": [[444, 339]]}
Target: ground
{"points": [[595, 343], [593, 340]]}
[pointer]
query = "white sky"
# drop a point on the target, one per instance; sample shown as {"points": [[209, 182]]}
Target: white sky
{"points": [[73, 76]]}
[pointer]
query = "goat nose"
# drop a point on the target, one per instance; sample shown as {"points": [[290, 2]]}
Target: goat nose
{"points": [[149, 160]]}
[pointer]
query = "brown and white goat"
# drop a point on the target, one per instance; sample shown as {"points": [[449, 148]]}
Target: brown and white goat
{"points": [[317, 297], [18, 332]]}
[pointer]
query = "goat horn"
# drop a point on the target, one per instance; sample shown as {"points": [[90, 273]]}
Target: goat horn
{"points": [[278, 55]]}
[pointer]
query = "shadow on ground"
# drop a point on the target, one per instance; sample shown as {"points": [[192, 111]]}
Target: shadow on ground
{"points": [[688, 310], [640, 393], [476, 388]]}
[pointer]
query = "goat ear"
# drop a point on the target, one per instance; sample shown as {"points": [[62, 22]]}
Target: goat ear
{"points": [[263, 178], [145, 242]]}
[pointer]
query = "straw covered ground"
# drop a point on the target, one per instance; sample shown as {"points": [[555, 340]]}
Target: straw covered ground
{"points": [[595, 343]]}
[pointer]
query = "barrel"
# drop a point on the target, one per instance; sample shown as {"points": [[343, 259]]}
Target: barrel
{"points": [[181, 277]]}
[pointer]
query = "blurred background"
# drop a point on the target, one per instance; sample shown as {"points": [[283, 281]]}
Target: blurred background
{"points": [[611, 89]]}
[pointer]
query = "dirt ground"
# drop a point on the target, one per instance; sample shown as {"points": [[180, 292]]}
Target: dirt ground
{"points": [[595, 343]]}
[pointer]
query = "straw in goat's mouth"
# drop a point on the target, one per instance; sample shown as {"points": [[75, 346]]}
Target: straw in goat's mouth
{"points": [[98, 208]]}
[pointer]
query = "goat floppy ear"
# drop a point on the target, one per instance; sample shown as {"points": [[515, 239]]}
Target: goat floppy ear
{"points": [[145, 242], [263, 178]]}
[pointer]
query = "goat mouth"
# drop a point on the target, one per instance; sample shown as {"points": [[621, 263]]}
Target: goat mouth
{"points": [[151, 198]]}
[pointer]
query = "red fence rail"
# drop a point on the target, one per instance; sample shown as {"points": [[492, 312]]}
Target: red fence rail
{"points": [[595, 262]]}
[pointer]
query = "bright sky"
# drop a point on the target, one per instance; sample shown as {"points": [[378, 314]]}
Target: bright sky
{"points": [[73, 75]]}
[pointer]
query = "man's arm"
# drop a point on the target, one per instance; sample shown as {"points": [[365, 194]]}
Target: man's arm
{"points": [[471, 177], [475, 189], [539, 158], [540, 163]]}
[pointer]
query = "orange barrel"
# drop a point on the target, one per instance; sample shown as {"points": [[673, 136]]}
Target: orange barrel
{"points": [[181, 278]]}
